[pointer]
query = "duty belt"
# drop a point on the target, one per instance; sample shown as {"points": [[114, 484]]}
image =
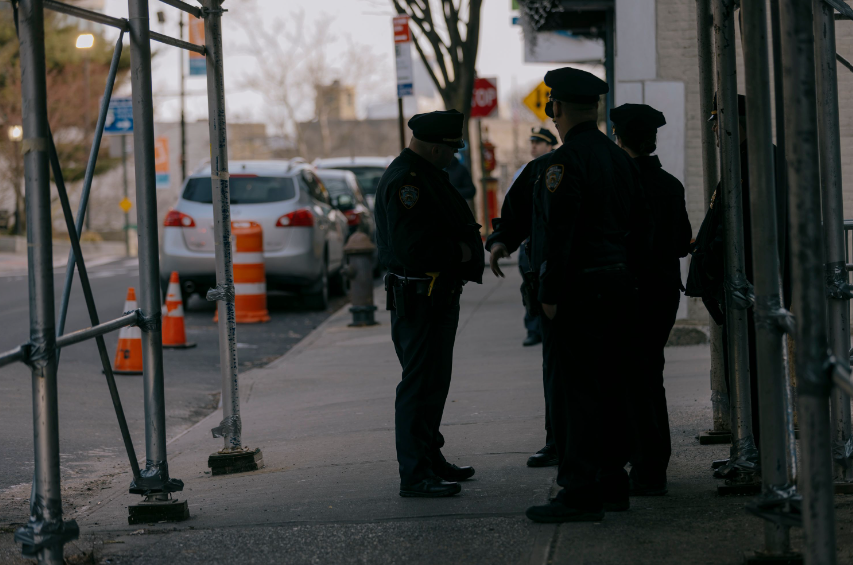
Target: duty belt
{"points": [[422, 285], [605, 268]]}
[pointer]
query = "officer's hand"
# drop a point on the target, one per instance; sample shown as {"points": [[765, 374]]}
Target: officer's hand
{"points": [[550, 310], [498, 252], [466, 252]]}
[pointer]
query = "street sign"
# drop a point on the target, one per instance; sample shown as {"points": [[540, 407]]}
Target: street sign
{"points": [[403, 54], [119, 120], [198, 65], [125, 204], [161, 161], [536, 101], [484, 100]]}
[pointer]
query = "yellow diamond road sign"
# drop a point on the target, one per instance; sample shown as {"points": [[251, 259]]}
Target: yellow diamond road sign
{"points": [[125, 205], [537, 99]]}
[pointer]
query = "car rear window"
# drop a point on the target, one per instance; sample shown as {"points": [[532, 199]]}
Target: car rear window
{"points": [[336, 186], [244, 190], [368, 177]]}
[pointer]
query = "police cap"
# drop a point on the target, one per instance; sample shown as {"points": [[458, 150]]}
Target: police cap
{"points": [[439, 127], [741, 107], [636, 118], [574, 85], [543, 134]]}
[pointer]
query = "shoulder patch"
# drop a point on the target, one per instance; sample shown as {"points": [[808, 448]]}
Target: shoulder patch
{"points": [[553, 176], [409, 196]]}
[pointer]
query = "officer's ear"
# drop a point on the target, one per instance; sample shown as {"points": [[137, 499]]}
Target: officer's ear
{"points": [[557, 108]]}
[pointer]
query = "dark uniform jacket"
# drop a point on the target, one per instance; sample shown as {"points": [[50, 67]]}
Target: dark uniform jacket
{"points": [[420, 221], [594, 209], [519, 219], [665, 197]]}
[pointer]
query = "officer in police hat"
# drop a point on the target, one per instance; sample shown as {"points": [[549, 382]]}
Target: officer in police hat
{"points": [[597, 230], [430, 244], [660, 286]]}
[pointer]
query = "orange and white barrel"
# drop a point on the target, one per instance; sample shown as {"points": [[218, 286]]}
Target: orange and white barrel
{"points": [[250, 280], [128, 359], [174, 329]]}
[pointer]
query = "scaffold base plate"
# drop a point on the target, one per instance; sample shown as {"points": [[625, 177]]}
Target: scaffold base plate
{"points": [[158, 511], [843, 488], [712, 437], [239, 462], [759, 558]]}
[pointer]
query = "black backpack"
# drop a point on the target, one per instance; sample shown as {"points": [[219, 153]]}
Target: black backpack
{"points": [[705, 278]]}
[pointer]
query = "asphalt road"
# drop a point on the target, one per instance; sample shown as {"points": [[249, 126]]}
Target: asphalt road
{"points": [[88, 428]]}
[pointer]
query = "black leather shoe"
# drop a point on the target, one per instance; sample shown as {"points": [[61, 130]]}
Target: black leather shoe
{"points": [[617, 505], [432, 487], [452, 473], [545, 457], [555, 512], [532, 339]]}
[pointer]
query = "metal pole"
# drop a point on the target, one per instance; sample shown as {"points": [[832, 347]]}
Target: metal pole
{"points": [[38, 537], [86, 118], [87, 183], [711, 174], [402, 122], [735, 282], [156, 467], [770, 316], [835, 269], [809, 292], [124, 184], [483, 176], [609, 68], [230, 427], [182, 56]]}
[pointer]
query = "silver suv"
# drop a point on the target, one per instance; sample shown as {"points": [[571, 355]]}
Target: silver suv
{"points": [[304, 235]]}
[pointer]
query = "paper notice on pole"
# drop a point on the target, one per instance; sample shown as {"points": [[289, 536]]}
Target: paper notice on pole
{"points": [[161, 161], [403, 53], [198, 66]]}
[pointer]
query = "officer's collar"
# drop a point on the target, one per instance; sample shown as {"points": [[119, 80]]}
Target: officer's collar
{"points": [[419, 161], [581, 128], [649, 160]]}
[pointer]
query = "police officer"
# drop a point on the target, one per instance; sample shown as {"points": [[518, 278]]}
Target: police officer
{"points": [[597, 229], [430, 244], [518, 229], [635, 126], [542, 142]]}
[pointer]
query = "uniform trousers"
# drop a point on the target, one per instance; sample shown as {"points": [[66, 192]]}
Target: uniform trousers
{"points": [[424, 340], [532, 323], [588, 390], [652, 447]]}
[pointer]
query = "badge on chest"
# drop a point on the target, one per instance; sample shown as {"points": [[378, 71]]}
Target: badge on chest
{"points": [[553, 176], [409, 196]]}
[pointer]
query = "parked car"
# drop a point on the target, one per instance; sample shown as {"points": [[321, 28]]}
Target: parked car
{"points": [[368, 171], [304, 234], [347, 197]]}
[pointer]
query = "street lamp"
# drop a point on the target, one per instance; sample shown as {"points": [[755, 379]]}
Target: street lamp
{"points": [[16, 133]]}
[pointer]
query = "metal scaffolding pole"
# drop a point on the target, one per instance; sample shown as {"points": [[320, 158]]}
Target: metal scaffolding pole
{"points": [[230, 426], [835, 267], [814, 382], [743, 456], [45, 533], [710, 170], [772, 321], [155, 476]]}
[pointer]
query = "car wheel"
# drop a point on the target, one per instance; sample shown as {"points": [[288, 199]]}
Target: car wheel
{"points": [[339, 283], [317, 297]]}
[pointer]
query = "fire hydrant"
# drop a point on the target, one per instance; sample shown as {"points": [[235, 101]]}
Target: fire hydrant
{"points": [[359, 250]]}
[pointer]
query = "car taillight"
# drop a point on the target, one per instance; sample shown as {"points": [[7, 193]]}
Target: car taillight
{"points": [[176, 219], [353, 217], [298, 219]]}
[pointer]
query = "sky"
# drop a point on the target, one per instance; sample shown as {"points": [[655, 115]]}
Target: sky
{"points": [[366, 24]]}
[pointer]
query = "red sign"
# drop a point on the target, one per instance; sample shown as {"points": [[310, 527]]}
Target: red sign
{"points": [[402, 34], [484, 101]]}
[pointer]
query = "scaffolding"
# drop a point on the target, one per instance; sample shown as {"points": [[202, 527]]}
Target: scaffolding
{"points": [[45, 533]]}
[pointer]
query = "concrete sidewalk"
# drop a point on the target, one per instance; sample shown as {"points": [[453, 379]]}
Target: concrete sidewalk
{"points": [[324, 417]]}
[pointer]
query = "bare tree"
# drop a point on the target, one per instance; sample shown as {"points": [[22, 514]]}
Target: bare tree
{"points": [[447, 41]]}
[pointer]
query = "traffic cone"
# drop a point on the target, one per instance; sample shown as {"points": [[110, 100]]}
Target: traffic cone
{"points": [[174, 332], [129, 352], [250, 280]]}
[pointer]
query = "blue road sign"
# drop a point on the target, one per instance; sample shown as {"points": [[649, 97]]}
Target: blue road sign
{"points": [[119, 117]]}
